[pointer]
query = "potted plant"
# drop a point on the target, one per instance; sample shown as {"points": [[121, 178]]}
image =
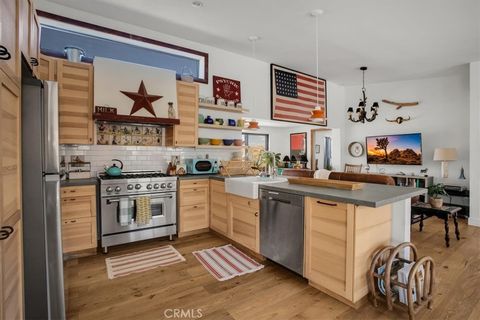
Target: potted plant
{"points": [[435, 192]]}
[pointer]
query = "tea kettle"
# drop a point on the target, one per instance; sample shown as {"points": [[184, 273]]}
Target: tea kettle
{"points": [[114, 170]]}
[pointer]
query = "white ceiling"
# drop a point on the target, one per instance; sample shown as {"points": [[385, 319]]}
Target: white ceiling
{"points": [[398, 40]]}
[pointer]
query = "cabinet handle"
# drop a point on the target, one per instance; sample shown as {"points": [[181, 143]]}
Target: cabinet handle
{"points": [[34, 62], [73, 191], [194, 189], [4, 55], [195, 207], [327, 204], [256, 214], [5, 232], [73, 221]]}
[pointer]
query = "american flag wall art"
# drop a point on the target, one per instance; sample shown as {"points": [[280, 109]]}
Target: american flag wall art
{"points": [[294, 95]]}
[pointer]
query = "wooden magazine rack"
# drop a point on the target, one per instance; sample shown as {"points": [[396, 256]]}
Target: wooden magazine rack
{"points": [[417, 292]]}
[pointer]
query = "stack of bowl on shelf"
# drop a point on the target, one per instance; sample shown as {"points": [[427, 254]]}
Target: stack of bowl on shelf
{"points": [[220, 142]]}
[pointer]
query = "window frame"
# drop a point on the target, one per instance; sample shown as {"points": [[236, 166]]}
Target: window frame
{"points": [[266, 135], [129, 39]]}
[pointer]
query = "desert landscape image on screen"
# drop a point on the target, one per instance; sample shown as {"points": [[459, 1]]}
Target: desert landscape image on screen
{"points": [[402, 149]]}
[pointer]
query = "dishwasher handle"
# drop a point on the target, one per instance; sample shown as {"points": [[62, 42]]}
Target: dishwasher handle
{"points": [[279, 200]]}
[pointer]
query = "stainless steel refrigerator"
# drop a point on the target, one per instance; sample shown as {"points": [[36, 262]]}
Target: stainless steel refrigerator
{"points": [[42, 237]]}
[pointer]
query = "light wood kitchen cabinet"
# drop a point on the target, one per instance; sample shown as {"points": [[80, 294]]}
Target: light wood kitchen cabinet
{"points": [[185, 134], [245, 226], [219, 218], [47, 68], [11, 248], [29, 33], [339, 241], [193, 205], [79, 218], [75, 91], [9, 39]]}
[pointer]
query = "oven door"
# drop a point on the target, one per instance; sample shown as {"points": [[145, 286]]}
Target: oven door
{"points": [[163, 207]]}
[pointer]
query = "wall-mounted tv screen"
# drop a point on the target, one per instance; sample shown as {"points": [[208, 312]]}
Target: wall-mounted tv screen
{"points": [[400, 149]]}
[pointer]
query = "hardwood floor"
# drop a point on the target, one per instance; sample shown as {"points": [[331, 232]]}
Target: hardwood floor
{"points": [[271, 293]]}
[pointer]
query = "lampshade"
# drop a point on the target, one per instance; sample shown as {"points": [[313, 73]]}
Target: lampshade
{"points": [[445, 154]]}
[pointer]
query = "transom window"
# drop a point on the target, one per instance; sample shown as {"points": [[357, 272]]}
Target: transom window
{"points": [[59, 32]]}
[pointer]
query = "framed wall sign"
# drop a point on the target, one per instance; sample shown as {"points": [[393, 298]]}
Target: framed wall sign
{"points": [[294, 96], [227, 89], [298, 145]]}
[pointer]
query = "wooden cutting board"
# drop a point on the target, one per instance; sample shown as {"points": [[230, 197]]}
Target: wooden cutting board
{"points": [[327, 183]]}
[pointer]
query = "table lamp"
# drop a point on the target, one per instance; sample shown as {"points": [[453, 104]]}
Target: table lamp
{"points": [[445, 155]]}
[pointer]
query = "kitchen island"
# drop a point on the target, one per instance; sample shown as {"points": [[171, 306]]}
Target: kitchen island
{"points": [[343, 229]]}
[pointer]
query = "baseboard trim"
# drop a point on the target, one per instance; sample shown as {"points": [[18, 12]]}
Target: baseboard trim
{"points": [[474, 222]]}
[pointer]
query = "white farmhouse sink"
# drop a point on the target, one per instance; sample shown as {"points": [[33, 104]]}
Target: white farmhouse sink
{"points": [[248, 186]]}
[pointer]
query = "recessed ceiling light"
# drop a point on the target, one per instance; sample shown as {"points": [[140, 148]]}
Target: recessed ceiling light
{"points": [[317, 12], [197, 4], [253, 38]]}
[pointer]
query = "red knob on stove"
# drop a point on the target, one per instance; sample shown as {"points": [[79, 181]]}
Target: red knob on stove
{"points": [[138, 186], [156, 186], [163, 186], [170, 185], [149, 186]]}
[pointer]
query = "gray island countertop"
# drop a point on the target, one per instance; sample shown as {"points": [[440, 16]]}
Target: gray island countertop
{"points": [[372, 195]]}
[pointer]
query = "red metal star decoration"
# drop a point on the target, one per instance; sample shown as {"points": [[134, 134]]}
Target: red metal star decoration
{"points": [[142, 99]]}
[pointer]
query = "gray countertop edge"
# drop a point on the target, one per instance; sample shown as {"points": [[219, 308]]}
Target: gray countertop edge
{"points": [[326, 194]]}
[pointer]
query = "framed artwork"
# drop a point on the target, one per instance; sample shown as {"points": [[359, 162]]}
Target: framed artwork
{"points": [[227, 89], [294, 95], [298, 145]]}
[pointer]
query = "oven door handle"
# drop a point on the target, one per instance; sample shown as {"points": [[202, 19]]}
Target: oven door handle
{"points": [[109, 201]]}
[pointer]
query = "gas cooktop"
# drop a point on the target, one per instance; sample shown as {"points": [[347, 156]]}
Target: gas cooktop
{"points": [[133, 175]]}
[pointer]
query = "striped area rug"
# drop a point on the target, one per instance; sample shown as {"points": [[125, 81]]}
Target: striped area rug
{"points": [[226, 262], [141, 261]]}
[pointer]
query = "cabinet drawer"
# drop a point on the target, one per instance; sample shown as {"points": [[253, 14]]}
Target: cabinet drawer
{"points": [[77, 191], [194, 196], [193, 217], [253, 204], [326, 204], [193, 183], [79, 234], [78, 207]]}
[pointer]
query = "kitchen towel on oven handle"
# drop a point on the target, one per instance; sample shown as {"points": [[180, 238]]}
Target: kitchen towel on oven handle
{"points": [[125, 212], [144, 210]]}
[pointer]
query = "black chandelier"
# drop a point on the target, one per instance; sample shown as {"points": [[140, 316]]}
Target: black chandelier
{"points": [[361, 111]]}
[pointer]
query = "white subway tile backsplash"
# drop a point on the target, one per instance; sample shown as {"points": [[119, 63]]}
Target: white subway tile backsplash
{"points": [[137, 157]]}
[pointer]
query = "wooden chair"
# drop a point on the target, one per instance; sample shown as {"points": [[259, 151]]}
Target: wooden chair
{"points": [[353, 168]]}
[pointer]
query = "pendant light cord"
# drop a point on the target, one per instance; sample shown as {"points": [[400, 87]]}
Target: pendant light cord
{"points": [[316, 42]]}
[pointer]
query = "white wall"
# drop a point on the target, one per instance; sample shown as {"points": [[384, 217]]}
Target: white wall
{"points": [[475, 143], [442, 117], [253, 74]]}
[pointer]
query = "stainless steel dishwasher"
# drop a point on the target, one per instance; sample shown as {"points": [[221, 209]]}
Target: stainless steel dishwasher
{"points": [[281, 228]]}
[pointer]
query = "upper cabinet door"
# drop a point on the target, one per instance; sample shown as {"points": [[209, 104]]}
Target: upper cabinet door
{"points": [[9, 53], [75, 102], [29, 33], [34, 41], [47, 68], [186, 133]]}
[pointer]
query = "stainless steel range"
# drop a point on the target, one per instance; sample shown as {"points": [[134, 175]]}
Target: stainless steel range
{"points": [[120, 193]]}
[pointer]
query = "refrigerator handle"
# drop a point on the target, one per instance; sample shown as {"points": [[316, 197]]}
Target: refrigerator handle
{"points": [[53, 225], [50, 126]]}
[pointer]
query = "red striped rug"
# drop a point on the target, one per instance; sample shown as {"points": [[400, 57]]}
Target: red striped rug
{"points": [[226, 262], [142, 261]]}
